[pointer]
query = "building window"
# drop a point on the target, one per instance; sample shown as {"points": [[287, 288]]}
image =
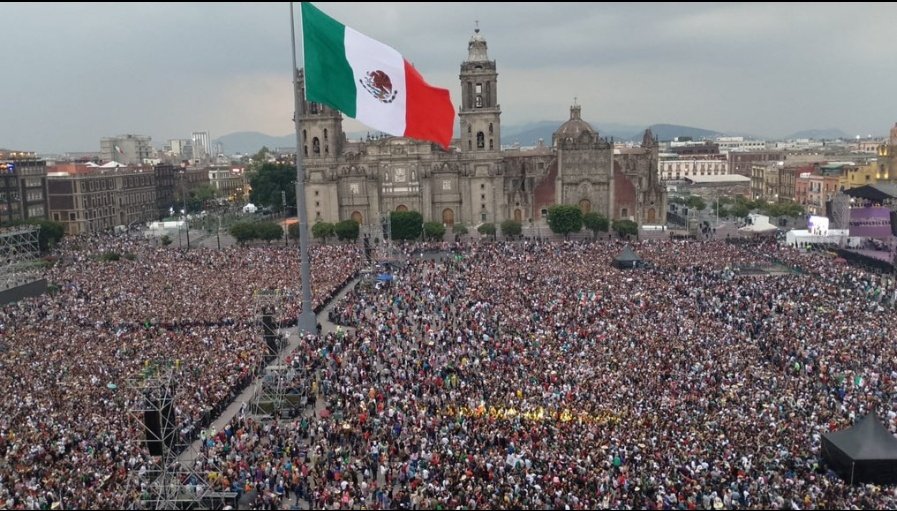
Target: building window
{"points": [[490, 128], [469, 144], [482, 196], [481, 140], [317, 193], [491, 146], [479, 88], [482, 186], [316, 145], [482, 206], [479, 103], [325, 133], [625, 212], [317, 204]]}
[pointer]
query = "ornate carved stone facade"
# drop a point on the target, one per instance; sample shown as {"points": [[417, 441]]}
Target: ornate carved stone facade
{"points": [[474, 181]]}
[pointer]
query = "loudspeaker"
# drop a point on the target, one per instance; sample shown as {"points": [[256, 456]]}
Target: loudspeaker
{"points": [[828, 208], [894, 223], [158, 419], [169, 429], [153, 423], [269, 331]]}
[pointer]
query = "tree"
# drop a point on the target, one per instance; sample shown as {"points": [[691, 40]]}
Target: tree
{"points": [[595, 222], [459, 229], [486, 229], [321, 230], [268, 231], [434, 231], [347, 230], [564, 219], [696, 202], [243, 232], [198, 197], [624, 227], [165, 240], [511, 228], [406, 225], [269, 181], [739, 210]]}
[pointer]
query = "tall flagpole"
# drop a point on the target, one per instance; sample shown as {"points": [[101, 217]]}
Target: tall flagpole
{"points": [[307, 323]]}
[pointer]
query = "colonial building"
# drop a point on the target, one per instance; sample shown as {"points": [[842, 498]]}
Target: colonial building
{"points": [[474, 181]]}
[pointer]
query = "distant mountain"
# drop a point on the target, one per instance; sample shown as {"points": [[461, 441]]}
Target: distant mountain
{"points": [[530, 133], [829, 133], [249, 142]]}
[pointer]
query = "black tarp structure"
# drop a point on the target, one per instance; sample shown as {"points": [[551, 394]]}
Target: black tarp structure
{"points": [[879, 192], [863, 453], [628, 259]]}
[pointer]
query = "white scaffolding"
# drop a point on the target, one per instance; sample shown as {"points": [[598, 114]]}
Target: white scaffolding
{"points": [[271, 395], [19, 249], [168, 482]]}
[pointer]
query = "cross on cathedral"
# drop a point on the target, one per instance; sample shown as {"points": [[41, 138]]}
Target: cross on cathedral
{"points": [[477, 29]]}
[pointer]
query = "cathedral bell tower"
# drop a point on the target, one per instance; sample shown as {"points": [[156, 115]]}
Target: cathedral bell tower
{"points": [[480, 112], [322, 127]]}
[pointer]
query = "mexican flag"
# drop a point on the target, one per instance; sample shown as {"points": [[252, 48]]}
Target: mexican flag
{"points": [[370, 81]]}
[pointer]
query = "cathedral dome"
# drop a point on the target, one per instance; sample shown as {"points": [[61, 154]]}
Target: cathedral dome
{"points": [[574, 127]]}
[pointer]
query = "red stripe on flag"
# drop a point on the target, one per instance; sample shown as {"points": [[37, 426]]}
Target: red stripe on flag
{"points": [[429, 114]]}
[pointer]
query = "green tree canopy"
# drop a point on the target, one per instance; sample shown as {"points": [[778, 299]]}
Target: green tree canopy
{"points": [[595, 222], [564, 219], [321, 230], [268, 231], [696, 202], [406, 225], [269, 181], [459, 229], [511, 228], [243, 232], [624, 227], [347, 230], [434, 231], [486, 229]]}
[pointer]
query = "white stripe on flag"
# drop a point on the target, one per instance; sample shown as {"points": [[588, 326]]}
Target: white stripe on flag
{"points": [[367, 56]]}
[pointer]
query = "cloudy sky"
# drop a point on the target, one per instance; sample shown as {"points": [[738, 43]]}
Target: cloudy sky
{"points": [[74, 73]]}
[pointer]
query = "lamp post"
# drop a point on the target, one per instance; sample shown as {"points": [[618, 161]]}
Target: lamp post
{"points": [[184, 211]]}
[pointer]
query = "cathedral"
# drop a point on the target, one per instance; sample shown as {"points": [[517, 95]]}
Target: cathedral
{"points": [[475, 181]]}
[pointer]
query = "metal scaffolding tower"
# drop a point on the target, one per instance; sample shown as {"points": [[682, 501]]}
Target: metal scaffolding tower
{"points": [[168, 482], [271, 395], [19, 248], [840, 211]]}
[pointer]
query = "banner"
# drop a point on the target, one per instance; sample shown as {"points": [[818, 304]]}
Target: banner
{"points": [[870, 222]]}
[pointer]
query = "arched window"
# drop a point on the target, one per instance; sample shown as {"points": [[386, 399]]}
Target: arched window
{"points": [[469, 144], [316, 145], [305, 151], [325, 133], [491, 146], [481, 140], [490, 128], [468, 129], [304, 136]]}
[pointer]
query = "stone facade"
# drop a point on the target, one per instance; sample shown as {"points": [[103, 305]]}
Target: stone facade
{"points": [[474, 181]]}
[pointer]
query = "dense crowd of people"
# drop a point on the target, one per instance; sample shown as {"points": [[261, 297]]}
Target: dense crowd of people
{"points": [[67, 358], [493, 375], [539, 376]]}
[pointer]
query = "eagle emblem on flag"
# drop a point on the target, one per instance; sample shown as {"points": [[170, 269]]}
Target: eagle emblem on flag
{"points": [[378, 84]]}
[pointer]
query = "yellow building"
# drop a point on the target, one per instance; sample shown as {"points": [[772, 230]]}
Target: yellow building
{"points": [[853, 176]]}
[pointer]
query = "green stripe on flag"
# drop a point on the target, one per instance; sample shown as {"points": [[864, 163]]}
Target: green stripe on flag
{"points": [[328, 76]]}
